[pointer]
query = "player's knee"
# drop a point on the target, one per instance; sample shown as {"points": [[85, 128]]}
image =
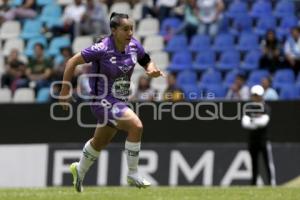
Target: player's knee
{"points": [[138, 128]]}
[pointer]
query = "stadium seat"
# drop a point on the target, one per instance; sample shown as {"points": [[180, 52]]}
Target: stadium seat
{"points": [[181, 61], [251, 61], [81, 42], [264, 24], [283, 77], [120, 7], [24, 95], [153, 43], [230, 78], [261, 8], [237, 8], [192, 92], [44, 2], [289, 92], [5, 95], [223, 42], [31, 29], [169, 23], [241, 23], [176, 44], [215, 92], [204, 60], [137, 11], [57, 43], [43, 95], [199, 43], [147, 27], [284, 8], [10, 29], [229, 60], [161, 59], [210, 77], [64, 2], [256, 76], [51, 15], [13, 43], [29, 50], [248, 41], [286, 23], [186, 77], [15, 3]]}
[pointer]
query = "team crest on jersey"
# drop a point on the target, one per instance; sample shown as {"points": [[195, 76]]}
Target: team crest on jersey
{"points": [[98, 46], [124, 68]]}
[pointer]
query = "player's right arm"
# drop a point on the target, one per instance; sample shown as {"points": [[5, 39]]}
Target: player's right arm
{"points": [[77, 59]]}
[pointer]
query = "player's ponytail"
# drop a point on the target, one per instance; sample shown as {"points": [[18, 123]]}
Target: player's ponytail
{"points": [[115, 19]]}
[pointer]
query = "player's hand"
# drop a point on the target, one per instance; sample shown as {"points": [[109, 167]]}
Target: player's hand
{"points": [[64, 97], [154, 72]]}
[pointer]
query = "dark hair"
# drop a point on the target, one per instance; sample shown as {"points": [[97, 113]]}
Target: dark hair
{"points": [[115, 19]]}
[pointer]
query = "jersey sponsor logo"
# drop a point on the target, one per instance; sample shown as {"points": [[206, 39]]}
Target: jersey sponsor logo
{"points": [[98, 47], [113, 60]]}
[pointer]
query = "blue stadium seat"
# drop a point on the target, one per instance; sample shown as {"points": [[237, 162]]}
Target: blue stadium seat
{"points": [[215, 91], [236, 8], [289, 92], [51, 15], [31, 29], [204, 60], [248, 42], [230, 78], [286, 23], [210, 77], [229, 60], [181, 61], [192, 92], [241, 23], [282, 78], [224, 42], [29, 50], [44, 2], [200, 43], [43, 95], [261, 8], [57, 43], [251, 61], [177, 43], [186, 77], [169, 23], [15, 3], [256, 76], [264, 24], [284, 8]]}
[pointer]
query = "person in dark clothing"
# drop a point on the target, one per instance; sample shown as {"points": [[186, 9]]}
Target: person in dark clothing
{"points": [[256, 121]]}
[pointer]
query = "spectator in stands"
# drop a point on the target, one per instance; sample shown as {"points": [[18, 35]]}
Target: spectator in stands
{"points": [[39, 69], [162, 9], [144, 92], [148, 8], [238, 90], [71, 20], [190, 20], [271, 59], [292, 49], [93, 21], [59, 65], [210, 16], [14, 76], [270, 93], [4, 7], [26, 10], [172, 93]]}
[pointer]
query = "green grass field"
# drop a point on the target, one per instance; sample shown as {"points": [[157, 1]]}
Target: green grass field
{"points": [[155, 193]]}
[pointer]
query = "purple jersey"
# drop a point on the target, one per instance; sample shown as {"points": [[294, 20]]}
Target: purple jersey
{"points": [[116, 66]]}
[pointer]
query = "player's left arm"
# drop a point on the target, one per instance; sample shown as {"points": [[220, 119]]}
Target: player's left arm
{"points": [[151, 69]]}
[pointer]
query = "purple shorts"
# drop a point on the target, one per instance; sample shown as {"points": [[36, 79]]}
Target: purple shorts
{"points": [[108, 111]]}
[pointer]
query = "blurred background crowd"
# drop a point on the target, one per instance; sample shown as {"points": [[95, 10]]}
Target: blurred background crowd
{"points": [[210, 49]]}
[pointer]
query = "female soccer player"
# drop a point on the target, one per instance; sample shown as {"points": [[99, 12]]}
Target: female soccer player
{"points": [[113, 57]]}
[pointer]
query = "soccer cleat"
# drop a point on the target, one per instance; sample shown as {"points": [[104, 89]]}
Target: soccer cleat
{"points": [[138, 182], [77, 182]]}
